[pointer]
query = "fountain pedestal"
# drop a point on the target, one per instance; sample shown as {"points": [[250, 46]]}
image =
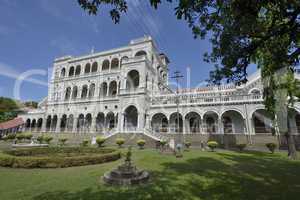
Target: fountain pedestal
{"points": [[126, 174]]}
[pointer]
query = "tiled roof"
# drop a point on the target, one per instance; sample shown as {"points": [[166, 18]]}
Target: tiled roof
{"points": [[11, 123]]}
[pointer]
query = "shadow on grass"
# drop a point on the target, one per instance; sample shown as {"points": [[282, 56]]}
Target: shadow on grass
{"points": [[222, 176]]}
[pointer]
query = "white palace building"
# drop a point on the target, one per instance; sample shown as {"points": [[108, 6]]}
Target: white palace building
{"points": [[125, 90]]}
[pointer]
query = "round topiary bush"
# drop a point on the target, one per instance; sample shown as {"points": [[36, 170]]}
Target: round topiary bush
{"points": [[271, 147], [47, 139], [28, 136], [141, 143], [56, 157], [20, 137], [120, 142], [187, 144], [62, 141], [85, 143], [100, 141], [212, 145]]}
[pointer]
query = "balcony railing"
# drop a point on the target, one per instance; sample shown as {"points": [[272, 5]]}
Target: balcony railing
{"points": [[194, 99]]}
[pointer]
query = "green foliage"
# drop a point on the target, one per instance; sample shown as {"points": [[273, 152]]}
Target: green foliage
{"points": [[163, 143], [28, 136], [20, 137], [100, 141], [47, 139], [40, 139], [9, 137], [212, 145], [62, 141], [271, 147], [85, 143], [241, 146], [141, 143], [7, 105], [187, 144], [120, 141], [56, 157]]}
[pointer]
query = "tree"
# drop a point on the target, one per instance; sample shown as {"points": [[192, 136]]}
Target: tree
{"points": [[265, 32], [8, 109]]}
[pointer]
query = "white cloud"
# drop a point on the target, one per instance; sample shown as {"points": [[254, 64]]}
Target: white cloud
{"points": [[9, 71]]}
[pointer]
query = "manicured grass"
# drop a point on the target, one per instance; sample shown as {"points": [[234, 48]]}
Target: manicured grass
{"points": [[198, 175]]}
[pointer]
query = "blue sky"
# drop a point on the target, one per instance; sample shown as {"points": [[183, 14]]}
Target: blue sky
{"points": [[34, 32]]}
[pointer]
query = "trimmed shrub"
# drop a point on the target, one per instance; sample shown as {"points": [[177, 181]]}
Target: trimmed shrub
{"points": [[62, 141], [212, 145], [241, 147], [271, 147], [9, 137], [40, 139], [48, 139], [187, 144], [163, 143], [141, 143], [120, 141], [45, 161], [100, 141], [28, 136], [20, 137], [85, 143]]}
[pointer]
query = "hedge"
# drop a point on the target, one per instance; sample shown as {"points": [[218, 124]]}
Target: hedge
{"points": [[54, 151], [56, 162]]}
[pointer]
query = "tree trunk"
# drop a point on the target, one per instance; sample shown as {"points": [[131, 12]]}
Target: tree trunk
{"points": [[292, 152]]}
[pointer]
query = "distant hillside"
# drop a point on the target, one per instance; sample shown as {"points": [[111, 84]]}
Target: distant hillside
{"points": [[9, 108]]}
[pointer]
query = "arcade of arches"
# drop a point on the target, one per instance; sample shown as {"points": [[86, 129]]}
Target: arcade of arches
{"points": [[229, 122]]}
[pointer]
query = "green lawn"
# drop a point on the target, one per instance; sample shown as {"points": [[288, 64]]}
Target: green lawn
{"points": [[199, 175]]}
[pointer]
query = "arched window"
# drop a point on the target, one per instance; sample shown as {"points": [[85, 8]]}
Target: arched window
{"points": [[103, 89], [95, 67], [124, 58], [84, 91], [71, 71], [133, 80], [87, 68], [115, 63], [68, 93], [105, 65], [63, 73], [113, 88], [75, 92], [92, 90], [140, 53], [78, 70]]}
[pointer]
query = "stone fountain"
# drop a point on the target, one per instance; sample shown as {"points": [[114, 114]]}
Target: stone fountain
{"points": [[126, 174]]}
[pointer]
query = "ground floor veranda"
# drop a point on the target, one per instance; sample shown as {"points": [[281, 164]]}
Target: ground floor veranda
{"points": [[211, 122]]}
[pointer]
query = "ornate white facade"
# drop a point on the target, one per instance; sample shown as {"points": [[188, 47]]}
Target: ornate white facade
{"points": [[126, 90]]}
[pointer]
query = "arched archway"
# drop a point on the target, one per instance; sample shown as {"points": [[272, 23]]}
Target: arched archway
{"points": [[262, 122], [123, 59], [193, 121], [103, 89], [84, 91], [115, 64], [133, 80], [88, 122], [39, 124], [110, 120], [140, 53], [159, 123], [75, 92], [87, 68], [233, 122], [131, 118], [28, 124], [48, 123], [94, 67], [78, 70], [71, 71], [63, 72], [80, 123], [100, 122], [113, 88], [68, 93], [92, 90], [33, 125], [63, 123], [210, 120], [176, 122], [54, 123], [105, 65]]}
